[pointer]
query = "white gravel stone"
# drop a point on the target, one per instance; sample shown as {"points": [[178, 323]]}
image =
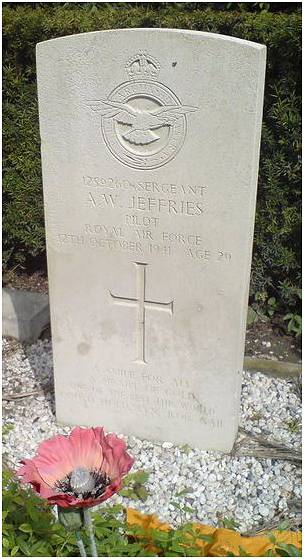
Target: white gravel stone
{"points": [[263, 510], [248, 490], [167, 445]]}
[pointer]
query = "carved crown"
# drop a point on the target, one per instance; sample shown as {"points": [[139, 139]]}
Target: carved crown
{"points": [[142, 65]]}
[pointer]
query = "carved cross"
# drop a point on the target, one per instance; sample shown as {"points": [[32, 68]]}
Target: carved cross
{"points": [[141, 304]]}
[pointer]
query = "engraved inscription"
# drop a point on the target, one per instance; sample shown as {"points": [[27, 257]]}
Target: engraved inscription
{"points": [[141, 392], [145, 196], [143, 122], [141, 305], [153, 186], [134, 239]]}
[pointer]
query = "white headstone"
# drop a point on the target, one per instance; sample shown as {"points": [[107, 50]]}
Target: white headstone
{"points": [[150, 146]]}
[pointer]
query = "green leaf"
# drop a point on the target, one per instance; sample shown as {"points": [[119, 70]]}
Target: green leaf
{"points": [[252, 316], [288, 550], [270, 553], [178, 548], [284, 525], [19, 500], [209, 538], [175, 504], [288, 316], [125, 492], [160, 535], [272, 538], [25, 548], [141, 476], [184, 491], [230, 523], [188, 509], [142, 493], [5, 542], [193, 552], [26, 528], [243, 552], [4, 515]]}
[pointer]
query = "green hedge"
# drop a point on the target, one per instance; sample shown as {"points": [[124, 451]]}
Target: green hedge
{"points": [[276, 259]]}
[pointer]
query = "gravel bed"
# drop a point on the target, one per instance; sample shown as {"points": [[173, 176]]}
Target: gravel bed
{"points": [[214, 486]]}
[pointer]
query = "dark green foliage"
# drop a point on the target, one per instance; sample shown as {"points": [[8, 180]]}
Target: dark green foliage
{"points": [[276, 258], [133, 485], [29, 528], [22, 201]]}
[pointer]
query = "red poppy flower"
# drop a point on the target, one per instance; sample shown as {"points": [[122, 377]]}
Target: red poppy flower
{"points": [[80, 470]]}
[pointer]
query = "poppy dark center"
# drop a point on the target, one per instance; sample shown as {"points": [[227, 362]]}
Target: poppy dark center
{"points": [[81, 480], [83, 483]]}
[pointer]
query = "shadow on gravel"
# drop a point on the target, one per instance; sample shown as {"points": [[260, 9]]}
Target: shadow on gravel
{"points": [[40, 359]]}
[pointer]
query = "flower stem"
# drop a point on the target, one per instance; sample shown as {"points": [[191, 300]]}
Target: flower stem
{"points": [[80, 544], [89, 526]]}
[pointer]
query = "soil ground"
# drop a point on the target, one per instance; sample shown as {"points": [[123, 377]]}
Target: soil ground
{"points": [[265, 340], [34, 282]]}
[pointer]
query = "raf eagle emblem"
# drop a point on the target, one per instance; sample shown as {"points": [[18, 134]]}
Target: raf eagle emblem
{"points": [[142, 122]]}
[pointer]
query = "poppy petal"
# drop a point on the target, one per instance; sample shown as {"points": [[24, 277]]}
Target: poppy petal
{"points": [[54, 459], [87, 452], [117, 461], [99, 434], [29, 474]]}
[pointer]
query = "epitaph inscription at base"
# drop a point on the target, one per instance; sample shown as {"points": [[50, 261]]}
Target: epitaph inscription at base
{"points": [[150, 145]]}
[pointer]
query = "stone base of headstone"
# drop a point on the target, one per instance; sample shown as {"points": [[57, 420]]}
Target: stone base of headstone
{"points": [[24, 314], [281, 369]]}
